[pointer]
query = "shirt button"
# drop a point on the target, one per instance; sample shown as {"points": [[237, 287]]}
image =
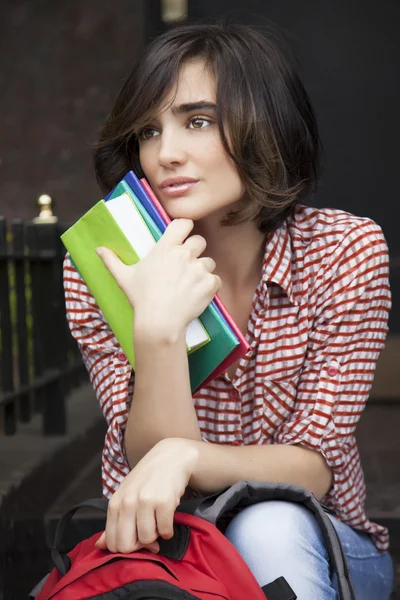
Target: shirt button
{"points": [[121, 356], [332, 371], [233, 394]]}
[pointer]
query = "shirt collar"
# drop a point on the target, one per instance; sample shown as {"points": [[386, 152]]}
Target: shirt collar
{"points": [[277, 266]]}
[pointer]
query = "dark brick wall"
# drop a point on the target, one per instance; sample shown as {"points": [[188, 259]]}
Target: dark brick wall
{"points": [[63, 64]]}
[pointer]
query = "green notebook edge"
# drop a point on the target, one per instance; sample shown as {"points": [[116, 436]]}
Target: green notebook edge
{"points": [[95, 228]]}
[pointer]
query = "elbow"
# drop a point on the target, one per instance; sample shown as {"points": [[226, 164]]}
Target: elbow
{"points": [[317, 473], [135, 448], [137, 445], [323, 486], [139, 441], [324, 478]]}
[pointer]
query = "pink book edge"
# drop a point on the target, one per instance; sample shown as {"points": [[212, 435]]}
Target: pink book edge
{"points": [[244, 345], [155, 200]]}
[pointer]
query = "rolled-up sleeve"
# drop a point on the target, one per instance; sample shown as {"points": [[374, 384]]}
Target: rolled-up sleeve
{"points": [[110, 372], [352, 297]]}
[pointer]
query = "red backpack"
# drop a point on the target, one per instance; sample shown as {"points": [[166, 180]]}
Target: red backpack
{"points": [[198, 563]]}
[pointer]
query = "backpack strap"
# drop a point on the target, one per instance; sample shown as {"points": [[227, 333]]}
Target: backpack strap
{"points": [[172, 548], [279, 590], [245, 493], [38, 587], [61, 561]]}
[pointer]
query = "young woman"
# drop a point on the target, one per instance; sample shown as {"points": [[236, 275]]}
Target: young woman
{"points": [[218, 121]]}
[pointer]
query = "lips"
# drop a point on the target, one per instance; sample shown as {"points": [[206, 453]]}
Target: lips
{"points": [[175, 181], [177, 186]]}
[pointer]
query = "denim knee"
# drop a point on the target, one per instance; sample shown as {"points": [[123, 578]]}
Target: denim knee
{"points": [[279, 538], [282, 526]]}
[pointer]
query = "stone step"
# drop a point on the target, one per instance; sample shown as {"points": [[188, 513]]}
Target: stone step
{"points": [[86, 522], [34, 471]]}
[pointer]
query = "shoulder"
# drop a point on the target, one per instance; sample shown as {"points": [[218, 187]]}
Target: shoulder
{"points": [[316, 225], [332, 249], [330, 235]]}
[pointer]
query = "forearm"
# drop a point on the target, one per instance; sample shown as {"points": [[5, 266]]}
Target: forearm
{"points": [[219, 466], [162, 406]]}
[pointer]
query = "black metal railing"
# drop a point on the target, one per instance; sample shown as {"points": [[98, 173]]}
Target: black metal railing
{"points": [[39, 360]]}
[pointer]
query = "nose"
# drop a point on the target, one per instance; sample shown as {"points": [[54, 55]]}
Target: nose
{"points": [[172, 151]]}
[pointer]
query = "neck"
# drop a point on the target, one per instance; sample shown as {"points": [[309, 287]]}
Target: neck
{"points": [[238, 251]]}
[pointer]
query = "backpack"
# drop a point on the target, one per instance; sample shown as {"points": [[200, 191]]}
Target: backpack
{"points": [[197, 563]]}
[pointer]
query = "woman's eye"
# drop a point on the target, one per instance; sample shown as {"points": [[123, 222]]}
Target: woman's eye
{"points": [[147, 134], [194, 123], [199, 122]]}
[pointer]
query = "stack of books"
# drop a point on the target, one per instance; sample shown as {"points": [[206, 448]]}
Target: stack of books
{"points": [[130, 221]]}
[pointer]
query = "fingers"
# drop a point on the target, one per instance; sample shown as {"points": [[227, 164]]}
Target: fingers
{"points": [[215, 285], [207, 263], [165, 521], [129, 529], [127, 539], [176, 232], [101, 542], [153, 547], [196, 245], [112, 263], [110, 534], [102, 545], [146, 524]]}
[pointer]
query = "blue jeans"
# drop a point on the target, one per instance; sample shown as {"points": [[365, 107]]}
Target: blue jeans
{"points": [[279, 538]]}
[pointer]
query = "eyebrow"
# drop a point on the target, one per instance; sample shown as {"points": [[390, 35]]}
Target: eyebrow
{"points": [[191, 106]]}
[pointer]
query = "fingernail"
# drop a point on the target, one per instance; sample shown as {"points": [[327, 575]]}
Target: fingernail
{"points": [[99, 251]]}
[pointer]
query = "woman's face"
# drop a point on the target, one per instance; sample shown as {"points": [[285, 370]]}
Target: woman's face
{"points": [[181, 153]]}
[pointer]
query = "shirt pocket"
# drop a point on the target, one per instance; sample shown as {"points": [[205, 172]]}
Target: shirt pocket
{"points": [[278, 403]]}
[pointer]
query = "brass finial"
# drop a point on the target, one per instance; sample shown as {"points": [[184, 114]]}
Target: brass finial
{"points": [[46, 212], [173, 10]]}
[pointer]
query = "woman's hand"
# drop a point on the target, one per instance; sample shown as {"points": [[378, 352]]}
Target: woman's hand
{"points": [[170, 286], [143, 507]]}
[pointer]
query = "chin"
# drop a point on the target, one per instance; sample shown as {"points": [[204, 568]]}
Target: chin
{"points": [[192, 215], [194, 208], [184, 215], [184, 211]]}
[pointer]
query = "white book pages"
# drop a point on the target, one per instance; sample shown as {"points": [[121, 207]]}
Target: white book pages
{"points": [[195, 334], [132, 224], [139, 236]]}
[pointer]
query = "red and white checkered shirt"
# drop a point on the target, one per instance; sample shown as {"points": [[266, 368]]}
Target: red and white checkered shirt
{"points": [[318, 323]]}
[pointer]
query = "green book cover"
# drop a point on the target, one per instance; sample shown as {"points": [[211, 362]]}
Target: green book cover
{"points": [[98, 228], [204, 360]]}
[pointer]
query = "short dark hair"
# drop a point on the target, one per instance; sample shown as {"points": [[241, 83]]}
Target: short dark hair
{"points": [[262, 108]]}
